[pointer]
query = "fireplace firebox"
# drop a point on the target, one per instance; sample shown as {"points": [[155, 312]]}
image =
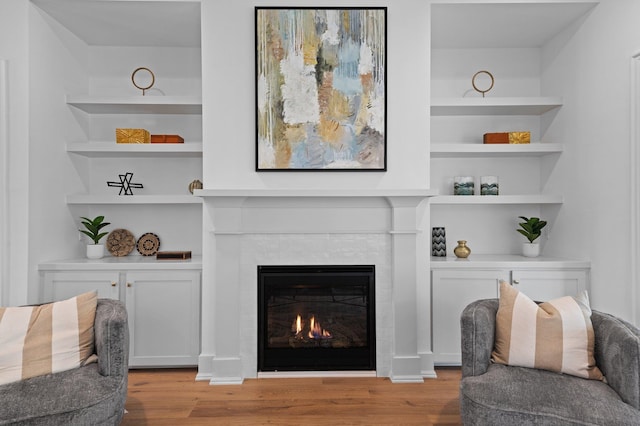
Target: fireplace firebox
{"points": [[316, 318]]}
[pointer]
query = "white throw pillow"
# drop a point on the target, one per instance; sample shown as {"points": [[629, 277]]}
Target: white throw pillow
{"points": [[39, 340], [556, 335]]}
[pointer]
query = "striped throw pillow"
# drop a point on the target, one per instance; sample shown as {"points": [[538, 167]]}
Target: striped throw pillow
{"points": [[556, 335], [39, 340]]}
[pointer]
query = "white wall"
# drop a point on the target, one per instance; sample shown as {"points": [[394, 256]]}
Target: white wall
{"points": [[228, 70], [591, 73], [58, 63], [14, 49]]}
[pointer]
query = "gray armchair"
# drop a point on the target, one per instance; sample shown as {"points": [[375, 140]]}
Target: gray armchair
{"points": [[495, 394], [91, 395]]}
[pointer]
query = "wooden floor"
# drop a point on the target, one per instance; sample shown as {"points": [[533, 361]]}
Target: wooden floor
{"points": [[173, 397]]}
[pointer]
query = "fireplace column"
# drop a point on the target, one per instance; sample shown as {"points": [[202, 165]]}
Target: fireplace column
{"points": [[220, 360], [411, 324]]}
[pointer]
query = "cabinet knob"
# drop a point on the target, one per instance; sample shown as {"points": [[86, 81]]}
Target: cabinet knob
{"points": [[113, 284], [128, 284], [516, 281]]}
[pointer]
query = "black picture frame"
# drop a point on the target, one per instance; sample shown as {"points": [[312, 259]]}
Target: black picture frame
{"points": [[321, 88]]}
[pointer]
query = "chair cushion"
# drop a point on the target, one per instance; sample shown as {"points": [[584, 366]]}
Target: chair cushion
{"points": [[507, 395], [556, 335], [44, 339], [81, 396]]}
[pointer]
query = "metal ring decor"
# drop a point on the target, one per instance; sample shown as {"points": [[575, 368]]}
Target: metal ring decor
{"points": [[133, 79], [473, 82]]}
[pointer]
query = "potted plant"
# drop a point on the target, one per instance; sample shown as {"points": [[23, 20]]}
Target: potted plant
{"points": [[94, 226], [531, 228]]}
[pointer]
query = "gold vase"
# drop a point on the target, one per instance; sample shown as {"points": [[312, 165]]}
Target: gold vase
{"points": [[461, 250]]}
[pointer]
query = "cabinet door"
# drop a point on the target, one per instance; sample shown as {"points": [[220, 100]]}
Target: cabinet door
{"points": [[64, 285], [452, 291], [542, 285], [164, 318]]}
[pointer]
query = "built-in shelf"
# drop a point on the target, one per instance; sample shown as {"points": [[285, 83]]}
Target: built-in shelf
{"points": [[133, 199], [131, 262], [506, 261], [112, 149], [496, 199], [463, 150], [136, 104], [494, 106]]}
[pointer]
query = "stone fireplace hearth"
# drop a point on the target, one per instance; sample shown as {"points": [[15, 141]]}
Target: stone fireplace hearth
{"points": [[247, 228]]}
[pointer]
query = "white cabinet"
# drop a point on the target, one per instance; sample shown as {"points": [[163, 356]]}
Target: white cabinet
{"points": [[451, 292], [162, 301], [66, 284], [542, 285], [455, 284], [164, 317]]}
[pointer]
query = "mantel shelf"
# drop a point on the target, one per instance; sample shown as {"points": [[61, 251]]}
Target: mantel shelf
{"points": [[136, 104], [460, 150], [494, 106], [314, 193], [497, 199], [112, 149], [132, 199]]}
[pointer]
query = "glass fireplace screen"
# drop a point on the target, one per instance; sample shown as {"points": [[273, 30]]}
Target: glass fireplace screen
{"points": [[316, 318]]}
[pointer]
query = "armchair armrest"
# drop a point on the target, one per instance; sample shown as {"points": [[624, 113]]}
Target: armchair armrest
{"points": [[111, 330], [617, 353], [477, 325]]}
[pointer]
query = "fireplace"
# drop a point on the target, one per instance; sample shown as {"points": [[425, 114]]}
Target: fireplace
{"points": [[316, 318]]}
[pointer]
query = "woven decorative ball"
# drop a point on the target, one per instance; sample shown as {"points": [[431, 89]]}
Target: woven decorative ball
{"points": [[148, 244], [120, 242]]}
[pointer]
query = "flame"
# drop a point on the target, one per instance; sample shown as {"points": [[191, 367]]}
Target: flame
{"points": [[298, 324], [316, 331]]}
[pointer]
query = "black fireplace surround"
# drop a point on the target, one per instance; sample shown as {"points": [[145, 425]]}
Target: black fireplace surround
{"points": [[316, 318]]}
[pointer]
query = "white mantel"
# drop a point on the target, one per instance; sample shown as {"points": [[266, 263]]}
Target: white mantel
{"points": [[244, 228]]}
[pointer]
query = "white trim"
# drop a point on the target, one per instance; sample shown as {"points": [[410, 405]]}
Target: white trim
{"points": [[635, 185], [4, 184]]}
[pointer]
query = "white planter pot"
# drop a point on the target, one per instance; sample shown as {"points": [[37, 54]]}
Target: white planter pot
{"points": [[95, 251], [530, 249]]}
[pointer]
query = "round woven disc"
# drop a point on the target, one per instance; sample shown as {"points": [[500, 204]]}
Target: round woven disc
{"points": [[148, 244], [120, 242]]}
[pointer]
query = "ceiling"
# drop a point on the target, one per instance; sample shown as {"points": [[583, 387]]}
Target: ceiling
{"points": [[502, 25], [128, 23], [177, 23]]}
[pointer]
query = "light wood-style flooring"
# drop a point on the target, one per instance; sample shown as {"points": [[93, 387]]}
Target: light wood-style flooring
{"points": [[173, 397]]}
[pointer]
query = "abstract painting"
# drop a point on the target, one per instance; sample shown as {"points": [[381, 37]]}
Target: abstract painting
{"points": [[320, 89]]}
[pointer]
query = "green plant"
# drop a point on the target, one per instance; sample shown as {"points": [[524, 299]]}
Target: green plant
{"points": [[93, 228], [531, 227]]}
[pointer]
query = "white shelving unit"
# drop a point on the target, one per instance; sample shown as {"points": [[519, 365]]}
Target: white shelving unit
{"points": [[82, 199], [115, 38], [136, 104], [461, 45], [468, 36], [494, 106], [496, 200], [110, 39], [109, 149], [468, 150]]}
